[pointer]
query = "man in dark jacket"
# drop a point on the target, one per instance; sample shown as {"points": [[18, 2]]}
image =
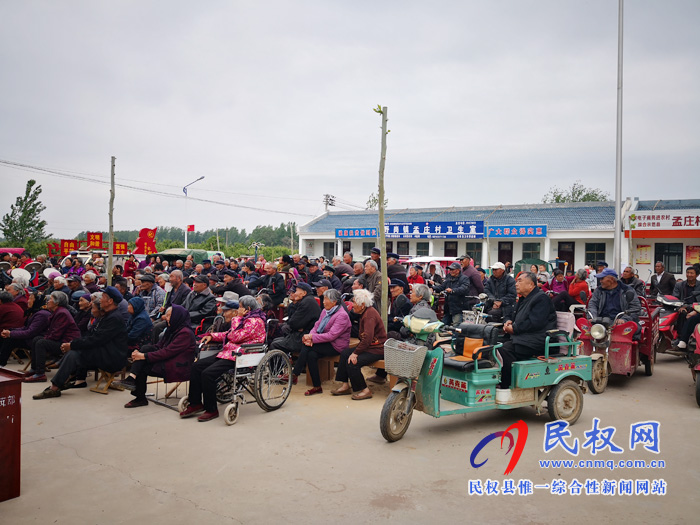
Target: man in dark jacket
{"points": [[273, 282], [501, 290], [305, 313], [313, 274], [630, 280], [105, 348], [456, 287], [687, 291], [200, 303], [329, 273], [662, 282], [534, 315], [232, 283], [477, 283], [395, 270], [612, 297]]}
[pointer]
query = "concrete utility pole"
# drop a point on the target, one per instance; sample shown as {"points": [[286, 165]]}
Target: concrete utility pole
{"points": [[617, 243], [110, 255], [384, 111]]}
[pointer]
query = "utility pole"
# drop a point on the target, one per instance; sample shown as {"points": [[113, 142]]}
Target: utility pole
{"points": [[328, 200], [617, 243], [110, 256], [384, 111], [218, 248]]}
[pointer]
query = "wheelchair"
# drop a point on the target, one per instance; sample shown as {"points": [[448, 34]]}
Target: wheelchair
{"points": [[260, 373]]}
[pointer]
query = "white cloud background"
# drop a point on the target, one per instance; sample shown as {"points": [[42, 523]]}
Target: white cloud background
{"points": [[490, 102]]}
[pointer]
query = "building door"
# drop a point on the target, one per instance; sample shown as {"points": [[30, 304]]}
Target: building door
{"points": [[329, 250], [347, 246], [566, 253], [505, 252]]}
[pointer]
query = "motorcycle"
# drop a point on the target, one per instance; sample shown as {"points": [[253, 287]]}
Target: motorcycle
{"points": [[476, 315], [440, 386], [613, 347]]}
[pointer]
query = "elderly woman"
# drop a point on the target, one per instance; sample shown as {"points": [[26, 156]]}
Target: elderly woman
{"points": [[19, 296], [559, 288], [77, 268], [36, 324], [82, 314], [578, 285], [370, 349], [171, 358], [247, 328], [139, 327], [329, 337]]}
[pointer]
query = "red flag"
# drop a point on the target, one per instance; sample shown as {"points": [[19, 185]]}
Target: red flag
{"points": [[190, 228]]}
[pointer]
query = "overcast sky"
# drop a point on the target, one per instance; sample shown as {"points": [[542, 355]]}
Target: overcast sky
{"points": [[490, 102]]}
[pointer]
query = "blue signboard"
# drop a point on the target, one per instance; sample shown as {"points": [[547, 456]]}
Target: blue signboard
{"points": [[419, 230], [529, 230]]}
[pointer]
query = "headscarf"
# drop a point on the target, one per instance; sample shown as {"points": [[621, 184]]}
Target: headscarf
{"points": [[179, 320], [137, 304]]}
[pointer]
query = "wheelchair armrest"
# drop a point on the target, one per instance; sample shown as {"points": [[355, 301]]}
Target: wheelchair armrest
{"points": [[251, 345]]}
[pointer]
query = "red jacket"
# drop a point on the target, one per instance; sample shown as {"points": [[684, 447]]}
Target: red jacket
{"points": [[62, 326]]}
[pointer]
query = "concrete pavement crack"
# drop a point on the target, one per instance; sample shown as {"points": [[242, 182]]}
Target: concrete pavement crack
{"points": [[145, 485]]}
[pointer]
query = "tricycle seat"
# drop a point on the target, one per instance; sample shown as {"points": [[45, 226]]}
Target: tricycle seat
{"points": [[467, 366]]}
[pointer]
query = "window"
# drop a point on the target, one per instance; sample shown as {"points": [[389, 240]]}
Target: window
{"points": [[450, 249], [329, 250], [671, 254], [402, 247], [389, 246], [595, 251], [474, 250], [367, 248], [347, 246], [422, 249], [531, 250]]}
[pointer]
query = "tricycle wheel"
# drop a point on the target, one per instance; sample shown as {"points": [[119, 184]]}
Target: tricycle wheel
{"points": [[231, 412], [599, 377], [394, 421], [565, 402]]}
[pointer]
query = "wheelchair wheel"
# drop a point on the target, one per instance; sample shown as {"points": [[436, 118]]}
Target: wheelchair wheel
{"points": [[273, 380], [225, 388], [231, 412], [183, 404]]}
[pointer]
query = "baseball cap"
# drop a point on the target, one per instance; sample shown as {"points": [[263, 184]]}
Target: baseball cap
{"points": [[498, 266], [606, 272]]}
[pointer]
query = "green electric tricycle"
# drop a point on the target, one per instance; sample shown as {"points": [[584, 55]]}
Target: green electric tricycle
{"points": [[465, 379]]}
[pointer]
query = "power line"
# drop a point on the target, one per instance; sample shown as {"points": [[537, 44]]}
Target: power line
{"points": [[68, 175]]}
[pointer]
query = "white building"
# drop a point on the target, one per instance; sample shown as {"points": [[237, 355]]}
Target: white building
{"points": [[579, 233]]}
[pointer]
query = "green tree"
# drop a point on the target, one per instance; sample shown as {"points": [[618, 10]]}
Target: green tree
{"points": [[373, 202], [23, 224], [576, 193]]}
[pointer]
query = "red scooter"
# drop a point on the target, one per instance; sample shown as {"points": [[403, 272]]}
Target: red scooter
{"points": [[613, 348], [667, 323]]}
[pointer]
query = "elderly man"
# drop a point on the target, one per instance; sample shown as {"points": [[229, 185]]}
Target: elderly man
{"points": [[329, 273], [662, 282], [534, 315], [313, 274], [300, 322], [273, 282], [633, 282], [456, 287], [105, 348], [394, 270], [348, 258], [188, 268], [687, 291], [75, 284], [231, 283], [468, 269], [612, 297], [373, 280], [201, 302], [153, 296], [342, 270], [502, 291]]}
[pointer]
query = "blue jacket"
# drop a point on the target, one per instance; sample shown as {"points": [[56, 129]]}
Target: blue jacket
{"points": [[139, 324]]}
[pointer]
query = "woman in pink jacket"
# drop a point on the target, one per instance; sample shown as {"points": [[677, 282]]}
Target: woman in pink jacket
{"points": [[329, 336], [248, 328]]}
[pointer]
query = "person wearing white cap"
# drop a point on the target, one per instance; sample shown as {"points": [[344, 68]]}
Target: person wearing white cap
{"points": [[501, 290]]}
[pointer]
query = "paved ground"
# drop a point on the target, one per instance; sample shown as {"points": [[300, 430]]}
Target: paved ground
{"points": [[85, 459]]}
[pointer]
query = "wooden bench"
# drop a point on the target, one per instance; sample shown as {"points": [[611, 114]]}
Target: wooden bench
{"points": [[107, 378], [326, 367]]}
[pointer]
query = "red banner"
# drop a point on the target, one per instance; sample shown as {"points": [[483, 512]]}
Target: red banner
{"points": [[94, 240], [190, 228], [68, 245], [120, 248]]}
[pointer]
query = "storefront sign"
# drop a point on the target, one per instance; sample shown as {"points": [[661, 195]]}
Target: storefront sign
{"points": [[662, 224], [643, 254], [355, 233], [692, 255], [529, 230]]}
